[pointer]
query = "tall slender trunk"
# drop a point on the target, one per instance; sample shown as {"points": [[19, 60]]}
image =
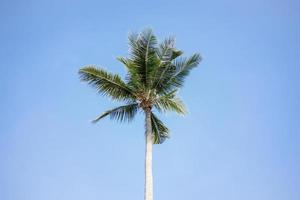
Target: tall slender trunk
{"points": [[148, 157]]}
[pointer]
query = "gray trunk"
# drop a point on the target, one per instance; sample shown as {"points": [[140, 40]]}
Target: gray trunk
{"points": [[148, 157]]}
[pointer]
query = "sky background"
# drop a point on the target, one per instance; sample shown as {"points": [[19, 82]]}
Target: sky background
{"points": [[241, 137]]}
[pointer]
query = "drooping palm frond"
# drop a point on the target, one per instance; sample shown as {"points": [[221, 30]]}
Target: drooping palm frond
{"points": [[121, 113], [143, 56], [170, 102], [159, 130], [106, 83]]}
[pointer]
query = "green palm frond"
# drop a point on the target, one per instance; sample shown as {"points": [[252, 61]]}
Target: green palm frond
{"points": [[143, 56], [183, 68], [170, 102], [159, 130], [133, 78], [174, 74], [167, 51], [164, 73], [121, 113], [106, 83]]}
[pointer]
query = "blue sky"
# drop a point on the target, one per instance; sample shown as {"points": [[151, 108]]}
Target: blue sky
{"points": [[241, 137]]}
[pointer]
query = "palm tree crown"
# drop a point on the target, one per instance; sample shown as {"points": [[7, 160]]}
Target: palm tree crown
{"points": [[155, 72]]}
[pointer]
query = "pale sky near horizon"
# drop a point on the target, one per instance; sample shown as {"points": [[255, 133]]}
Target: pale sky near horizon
{"points": [[240, 139]]}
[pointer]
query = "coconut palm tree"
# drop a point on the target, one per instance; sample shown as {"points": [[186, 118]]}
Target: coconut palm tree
{"points": [[155, 72]]}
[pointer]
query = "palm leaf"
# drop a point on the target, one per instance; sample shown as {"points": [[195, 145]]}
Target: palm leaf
{"points": [[159, 130], [170, 102], [143, 57], [167, 53], [175, 73], [106, 83], [183, 68], [133, 78], [121, 113]]}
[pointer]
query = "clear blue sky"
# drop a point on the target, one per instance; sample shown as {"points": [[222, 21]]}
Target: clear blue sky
{"points": [[241, 139]]}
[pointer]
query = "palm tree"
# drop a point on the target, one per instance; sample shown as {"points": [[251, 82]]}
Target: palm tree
{"points": [[155, 72]]}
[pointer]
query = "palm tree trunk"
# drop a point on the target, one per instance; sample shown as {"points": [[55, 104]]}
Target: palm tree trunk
{"points": [[148, 157]]}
